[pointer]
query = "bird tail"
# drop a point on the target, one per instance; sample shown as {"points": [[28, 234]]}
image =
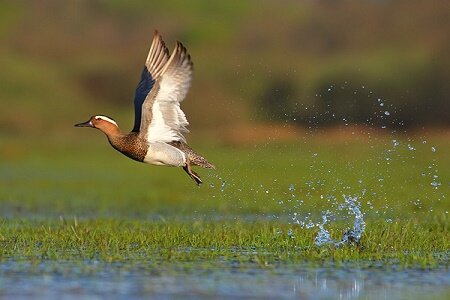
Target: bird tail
{"points": [[193, 157], [198, 160]]}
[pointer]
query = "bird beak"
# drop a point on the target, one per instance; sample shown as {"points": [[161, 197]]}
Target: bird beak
{"points": [[85, 124]]}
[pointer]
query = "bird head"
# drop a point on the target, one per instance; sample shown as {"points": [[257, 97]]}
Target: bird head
{"points": [[104, 123]]}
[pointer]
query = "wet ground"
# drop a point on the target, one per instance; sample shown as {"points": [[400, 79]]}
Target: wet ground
{"points": [[99, 280]]}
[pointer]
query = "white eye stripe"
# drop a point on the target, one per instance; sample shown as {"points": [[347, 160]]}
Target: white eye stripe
{"points": [[106, 119]]}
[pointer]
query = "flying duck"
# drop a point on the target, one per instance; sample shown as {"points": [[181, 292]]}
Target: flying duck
{"points": [[157, 136]]}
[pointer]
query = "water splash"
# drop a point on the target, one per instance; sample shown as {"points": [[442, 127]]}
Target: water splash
{"points": [[351, 235], [323, 236], [359, 225]]}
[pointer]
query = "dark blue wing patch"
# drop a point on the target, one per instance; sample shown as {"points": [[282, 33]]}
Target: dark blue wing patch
{"points": [[144, 87]]}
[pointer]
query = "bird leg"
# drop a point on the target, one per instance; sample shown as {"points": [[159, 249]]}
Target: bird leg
{"points": [[192, 174]]}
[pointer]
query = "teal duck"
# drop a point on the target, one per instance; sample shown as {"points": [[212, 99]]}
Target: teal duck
{"points": [[157, 136]]}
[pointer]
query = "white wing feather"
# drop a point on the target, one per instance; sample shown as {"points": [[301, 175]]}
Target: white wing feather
{"points": [[168, 122]]}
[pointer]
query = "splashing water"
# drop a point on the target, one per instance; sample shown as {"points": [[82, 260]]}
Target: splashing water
{"points": [[350, 235], [318, 192], [359, 225], [323, 236]]}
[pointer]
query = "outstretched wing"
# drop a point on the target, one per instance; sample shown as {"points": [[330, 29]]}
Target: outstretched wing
{"points": [[156, 60], [162, 118]]}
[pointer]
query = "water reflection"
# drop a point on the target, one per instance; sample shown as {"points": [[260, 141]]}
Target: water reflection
{"points": [[52, 280]]}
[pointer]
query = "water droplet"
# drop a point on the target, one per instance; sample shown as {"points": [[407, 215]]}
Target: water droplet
{"points": [[309, 225], [290, 233], [291, 188], [417, 203], [435, 184], [222, 186], [387, 113]]}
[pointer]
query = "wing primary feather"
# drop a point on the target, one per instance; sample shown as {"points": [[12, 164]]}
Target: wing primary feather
{"points": [[164, 119], [157, 58]]}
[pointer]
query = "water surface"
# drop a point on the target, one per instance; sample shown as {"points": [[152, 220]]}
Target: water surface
{"points": [[225, 280]]}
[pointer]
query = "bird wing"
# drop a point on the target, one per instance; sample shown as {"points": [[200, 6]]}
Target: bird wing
{"points": [[156, 60], [162, 118]]}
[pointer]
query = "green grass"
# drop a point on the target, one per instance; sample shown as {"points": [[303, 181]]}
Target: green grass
{"points": [[78, 200], [265, 243]]}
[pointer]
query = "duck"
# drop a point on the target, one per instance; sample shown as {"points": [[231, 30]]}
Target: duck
{"points": [[157, 137]]}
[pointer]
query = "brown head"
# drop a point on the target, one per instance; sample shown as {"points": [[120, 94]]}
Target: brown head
{"points": [[104, 123]]}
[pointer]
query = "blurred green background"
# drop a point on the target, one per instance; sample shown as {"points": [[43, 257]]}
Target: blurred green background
{"points": [[308, 63], [358, 73]]}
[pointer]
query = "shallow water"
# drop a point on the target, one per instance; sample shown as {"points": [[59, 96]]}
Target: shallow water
{"points": [[93, 279]]}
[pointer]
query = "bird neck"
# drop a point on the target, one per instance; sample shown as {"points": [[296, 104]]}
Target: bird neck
{"points": [[114, 135], [110, 130]]}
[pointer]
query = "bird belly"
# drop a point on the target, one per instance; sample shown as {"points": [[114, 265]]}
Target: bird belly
{"points": [[162, 154]]}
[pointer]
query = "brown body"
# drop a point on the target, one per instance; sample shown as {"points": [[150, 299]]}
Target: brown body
{"points": [[130, 145]]}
